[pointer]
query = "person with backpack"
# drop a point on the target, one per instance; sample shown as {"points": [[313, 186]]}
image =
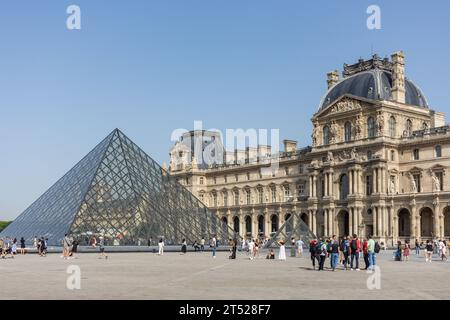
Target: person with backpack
{"points": [[322, 249], [372, 249], [334, 245], [355, 249], [312, 251], [345, 250]]}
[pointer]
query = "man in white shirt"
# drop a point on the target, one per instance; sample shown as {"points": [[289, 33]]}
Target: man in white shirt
{"points": [[251, 248]]}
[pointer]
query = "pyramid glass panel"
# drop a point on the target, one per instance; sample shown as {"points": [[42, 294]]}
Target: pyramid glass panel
{"points": [[119, 192]]}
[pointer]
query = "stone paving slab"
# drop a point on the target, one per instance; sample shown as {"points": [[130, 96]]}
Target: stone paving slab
{"points": [[198, 276]]}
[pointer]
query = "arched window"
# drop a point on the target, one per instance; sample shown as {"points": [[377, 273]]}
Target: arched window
{"points": [[326, 135], [438, 151], [392, 127], [274, 223], [261, 224], [248, 225], [348, 132], [370, 127], [408, 128], [236, 224], [343, 187]]}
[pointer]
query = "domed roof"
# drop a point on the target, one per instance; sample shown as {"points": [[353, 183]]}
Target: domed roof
{"points": [[375, 84]]}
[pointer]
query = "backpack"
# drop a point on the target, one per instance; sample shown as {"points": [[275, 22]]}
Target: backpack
{"points": [[343, 246], [354, 245], [318, 248], [377, 247]]}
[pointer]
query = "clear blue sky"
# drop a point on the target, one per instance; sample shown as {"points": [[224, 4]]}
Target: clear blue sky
{"points": [[149, 67]]}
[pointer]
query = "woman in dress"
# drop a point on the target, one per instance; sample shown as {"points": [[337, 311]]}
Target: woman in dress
{"points": [[406, 251], [282, 253]]}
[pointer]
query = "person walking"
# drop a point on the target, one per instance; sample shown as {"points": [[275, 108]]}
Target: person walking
{"points": [[14, 247], [334, 253], [251, 249], [399, 252], [406, 251], [202, 244], [282, 252], [35, 242], [233, 249], [22, 246], [300, 244], [371, 251], [443, 250], [355, 249], [323, 254], [417, 248], [161, 247], [314, 252], [429, 251], [66, 246], [365, 253], [214, 246], [345, 251], [101, 245]]}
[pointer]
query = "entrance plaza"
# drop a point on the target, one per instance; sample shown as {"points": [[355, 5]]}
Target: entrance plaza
{"points": [[198, 276]]}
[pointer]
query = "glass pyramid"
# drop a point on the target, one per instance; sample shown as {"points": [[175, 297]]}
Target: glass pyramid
{"points": [[119, 192], [289, 230]]}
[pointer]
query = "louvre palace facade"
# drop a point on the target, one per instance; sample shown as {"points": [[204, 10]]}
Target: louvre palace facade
{"points": [[377, 165]]}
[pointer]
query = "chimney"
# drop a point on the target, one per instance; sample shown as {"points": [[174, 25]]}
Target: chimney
{"points": [[398, 77], [332, 78], [290, 145]]}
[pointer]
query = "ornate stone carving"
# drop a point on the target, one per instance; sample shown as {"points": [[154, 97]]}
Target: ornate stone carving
{"points": [[412, 182], [436, 183], [358, 126], [380, 123], [330, 157], [315, 135], [392, 187], [334, 132], [345, 105]]}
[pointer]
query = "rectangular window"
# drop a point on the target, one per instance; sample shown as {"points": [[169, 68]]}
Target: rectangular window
{"points": [[301, 190], [236, 177], [236, 198], [225, 199], [249, 199], [201, 181], [322, 187], [416, 154], [287, 193], [286, 171], [260, 196], [274, 194], [300, 169], [215, 180], [368, 185], [215, 199]]}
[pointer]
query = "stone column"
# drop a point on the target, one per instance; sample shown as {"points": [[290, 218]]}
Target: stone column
{"points": [[413, 230], [380, 221], [374, 181], [375, 221], [255, 234], [356, 220], [314, 222], [331, 224], [350, 219], [325, 221], [325, 176], [331, 184], [436, 219], [267, 227]]}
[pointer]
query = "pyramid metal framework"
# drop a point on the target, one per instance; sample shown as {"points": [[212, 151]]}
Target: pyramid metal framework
{"points": [[119, 192], [291, 230]]}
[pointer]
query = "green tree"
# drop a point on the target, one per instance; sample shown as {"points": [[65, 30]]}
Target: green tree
{"points": [[4, 224]]}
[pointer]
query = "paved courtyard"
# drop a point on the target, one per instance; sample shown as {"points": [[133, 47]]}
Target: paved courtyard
{"points": [[198, 276]]}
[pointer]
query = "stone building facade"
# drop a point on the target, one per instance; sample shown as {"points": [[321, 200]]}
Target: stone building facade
{"points": [[377, 165]]}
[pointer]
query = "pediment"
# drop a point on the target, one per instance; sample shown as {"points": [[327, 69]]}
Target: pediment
{"points": [[344, 104]]}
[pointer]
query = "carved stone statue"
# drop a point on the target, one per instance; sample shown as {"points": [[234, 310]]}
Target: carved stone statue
{"points": [[413, 184], [358, 126], [315, 136], [380, 123], [436, 182], [334, 132], [353, 154], [392, 187], [330, 157]]}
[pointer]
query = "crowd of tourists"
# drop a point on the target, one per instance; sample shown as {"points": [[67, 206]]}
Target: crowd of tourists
{"points": [[430, 248], [345, 251]]}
